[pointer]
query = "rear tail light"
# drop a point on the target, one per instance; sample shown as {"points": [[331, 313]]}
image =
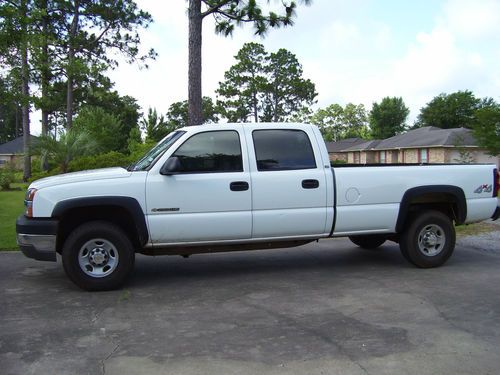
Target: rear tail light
{"points": [[495, 182]]}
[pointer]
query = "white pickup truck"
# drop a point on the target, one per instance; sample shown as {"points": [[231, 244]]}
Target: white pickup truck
{"points": [[233, 187]]}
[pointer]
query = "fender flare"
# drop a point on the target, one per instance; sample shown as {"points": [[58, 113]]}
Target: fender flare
{"points": [[131, 205], [410, 194]]}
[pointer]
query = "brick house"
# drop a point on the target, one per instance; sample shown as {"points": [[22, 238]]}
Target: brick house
{"points": [[336, 150], [13, 152], [423, 145]]}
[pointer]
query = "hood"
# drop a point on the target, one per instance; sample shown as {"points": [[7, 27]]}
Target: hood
{"points": [[67, 178]]}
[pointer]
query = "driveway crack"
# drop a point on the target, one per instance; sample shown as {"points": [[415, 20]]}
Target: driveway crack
{"points": [[313, 332]]}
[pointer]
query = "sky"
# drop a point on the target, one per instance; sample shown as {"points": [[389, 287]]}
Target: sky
{"points": [[356, 51]]}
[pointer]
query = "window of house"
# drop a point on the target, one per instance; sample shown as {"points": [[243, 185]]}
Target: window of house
{"points": [[424, 155], [217, 151], [382, 157], [357, 155], [283, 150]]}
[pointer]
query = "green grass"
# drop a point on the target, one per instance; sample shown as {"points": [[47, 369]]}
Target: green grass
{"points": [[11, 206], [475, 229]]}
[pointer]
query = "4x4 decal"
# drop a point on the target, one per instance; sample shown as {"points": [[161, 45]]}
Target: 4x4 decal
{"points": [[485, 188]]}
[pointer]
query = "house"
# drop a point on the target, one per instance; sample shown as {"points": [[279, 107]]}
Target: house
{"points": [[12, 152], [336, 149], [423, 145]]}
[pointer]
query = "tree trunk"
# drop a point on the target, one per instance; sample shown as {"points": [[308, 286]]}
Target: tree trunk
{"points": [[16, 132], [69, 96], [25, 108], [45, 70], [45, 78], [69, 72], [275, 116], [255, 112], [195, 116]]}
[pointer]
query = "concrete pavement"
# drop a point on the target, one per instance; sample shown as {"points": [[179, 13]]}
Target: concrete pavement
{"points": [[323, 308]]}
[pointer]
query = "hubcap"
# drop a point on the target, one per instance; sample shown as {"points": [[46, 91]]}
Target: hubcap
{"points": [[431, 240], [98, 257]]}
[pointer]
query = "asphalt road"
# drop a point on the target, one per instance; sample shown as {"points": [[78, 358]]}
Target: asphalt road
{"points": [[325, 308]]}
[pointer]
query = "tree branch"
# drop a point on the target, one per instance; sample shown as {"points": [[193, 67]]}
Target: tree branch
{"points": [[234, 18], [214, 9]]}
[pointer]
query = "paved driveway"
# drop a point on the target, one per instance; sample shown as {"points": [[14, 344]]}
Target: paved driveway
{"points": [[323, 308]]}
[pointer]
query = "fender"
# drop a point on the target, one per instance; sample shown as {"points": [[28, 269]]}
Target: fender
{"points": [[131, 205], [411, 194]]}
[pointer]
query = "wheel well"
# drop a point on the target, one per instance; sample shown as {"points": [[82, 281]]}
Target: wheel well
{"points": [[77, 216], [451, 203]]}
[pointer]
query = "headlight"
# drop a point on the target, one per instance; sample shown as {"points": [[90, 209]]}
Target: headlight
{"points": [[28, 202]]}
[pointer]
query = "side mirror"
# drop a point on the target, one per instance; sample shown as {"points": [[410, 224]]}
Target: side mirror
{"points": [[171, 166]]}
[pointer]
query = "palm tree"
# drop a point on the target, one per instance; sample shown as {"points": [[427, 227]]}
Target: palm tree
{"points": [[71, 144]]}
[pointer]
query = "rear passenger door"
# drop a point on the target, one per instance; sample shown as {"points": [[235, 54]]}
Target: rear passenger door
{"points": [[288, 183]]}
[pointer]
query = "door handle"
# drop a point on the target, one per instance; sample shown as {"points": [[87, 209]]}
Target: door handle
{"points": [[238, 186], [310, 184]]}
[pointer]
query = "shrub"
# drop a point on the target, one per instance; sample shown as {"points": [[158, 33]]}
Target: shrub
{"points": [[337, 162], [109, 159], [7, 177], [104, 127], [140, 149], [41, 174]]}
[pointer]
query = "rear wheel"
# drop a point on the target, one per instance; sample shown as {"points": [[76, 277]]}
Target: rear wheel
{"points": [[368, 241], [98, 256], [428, 240]]}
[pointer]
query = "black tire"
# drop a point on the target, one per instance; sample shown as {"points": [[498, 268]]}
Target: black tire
{"points": [[428, 240], [368, 241], [105, 252]]}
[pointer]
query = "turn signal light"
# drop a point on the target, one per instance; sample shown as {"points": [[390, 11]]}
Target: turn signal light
{"points": [[28, 202]]}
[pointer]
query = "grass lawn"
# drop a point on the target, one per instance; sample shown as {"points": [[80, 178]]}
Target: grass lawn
{"points": [[11, 206], [477, 228]]}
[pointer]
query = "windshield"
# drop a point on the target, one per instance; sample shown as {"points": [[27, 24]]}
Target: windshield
{"points": [[146, 161]]}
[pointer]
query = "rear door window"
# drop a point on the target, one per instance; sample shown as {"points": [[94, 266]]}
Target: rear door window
{"points": [[283, 149]]}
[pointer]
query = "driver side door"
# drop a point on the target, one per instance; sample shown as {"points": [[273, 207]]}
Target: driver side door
{"points": [[209, 198]]}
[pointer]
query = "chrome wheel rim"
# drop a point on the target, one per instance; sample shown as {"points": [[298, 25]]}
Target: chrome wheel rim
{"points": [[431, 240], [98, 258]]}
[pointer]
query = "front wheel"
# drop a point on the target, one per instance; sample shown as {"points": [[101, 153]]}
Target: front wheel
{"points": [[428, 240], [98, 256]]}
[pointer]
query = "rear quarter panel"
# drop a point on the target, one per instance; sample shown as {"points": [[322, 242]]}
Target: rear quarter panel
{"points": [[368, 198]]}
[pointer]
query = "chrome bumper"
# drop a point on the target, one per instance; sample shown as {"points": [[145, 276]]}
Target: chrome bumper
{"points": [[37, 237], [38, 246]]}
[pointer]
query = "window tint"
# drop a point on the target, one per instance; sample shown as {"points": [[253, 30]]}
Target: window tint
{"points": [[217, 151], [283, 150]]}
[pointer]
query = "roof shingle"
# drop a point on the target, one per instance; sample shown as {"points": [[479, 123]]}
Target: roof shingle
{"points": [[15, 146], [428, 136]]}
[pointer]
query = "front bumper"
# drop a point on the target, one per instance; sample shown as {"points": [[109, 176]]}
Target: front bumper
{"points": [[37, 238]]}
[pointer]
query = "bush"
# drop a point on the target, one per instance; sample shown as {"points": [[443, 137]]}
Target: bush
{"points": [[7, 176], [140, 149], [109, 159], [41, 174], [337, 162]]}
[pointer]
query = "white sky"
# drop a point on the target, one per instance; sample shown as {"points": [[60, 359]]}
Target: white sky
{"points": [[354, 51]]}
